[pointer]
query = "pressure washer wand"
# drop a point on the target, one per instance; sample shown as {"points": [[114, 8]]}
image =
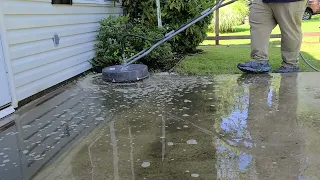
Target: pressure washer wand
{"points": [[173, 33]]}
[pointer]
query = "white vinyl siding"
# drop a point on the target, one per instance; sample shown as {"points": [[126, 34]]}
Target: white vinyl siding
{"points": [[31, 24]]}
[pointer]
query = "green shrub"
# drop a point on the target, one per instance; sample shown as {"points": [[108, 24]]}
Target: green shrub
{"points": [[109, 49], [174, 14], [231, 16], [160, 57]]}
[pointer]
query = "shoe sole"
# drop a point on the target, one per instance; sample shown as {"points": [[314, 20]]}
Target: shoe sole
{"points": [[251, 70], [286, 72]]}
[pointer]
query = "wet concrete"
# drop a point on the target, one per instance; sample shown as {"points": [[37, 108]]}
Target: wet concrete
{"points": [[170, 127]]}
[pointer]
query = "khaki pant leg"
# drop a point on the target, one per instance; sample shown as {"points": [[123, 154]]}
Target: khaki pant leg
{"points": [[289, 18], [262, 23]]}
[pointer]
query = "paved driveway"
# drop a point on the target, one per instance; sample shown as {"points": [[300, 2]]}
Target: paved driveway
{"points": [[169, 127]]}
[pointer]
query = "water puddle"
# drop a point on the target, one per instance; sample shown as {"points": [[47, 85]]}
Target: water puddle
{"points": [[169, 127]]}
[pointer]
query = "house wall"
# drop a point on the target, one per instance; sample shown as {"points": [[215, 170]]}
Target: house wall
{"points": [[30, 26]]}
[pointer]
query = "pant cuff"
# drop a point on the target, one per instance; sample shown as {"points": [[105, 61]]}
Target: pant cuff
{"points": [[290, 65], [260, 60]]}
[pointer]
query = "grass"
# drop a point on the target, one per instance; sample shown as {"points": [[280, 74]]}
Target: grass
{"points": [[224, 58]]}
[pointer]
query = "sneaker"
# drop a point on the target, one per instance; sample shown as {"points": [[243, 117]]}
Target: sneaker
{"points": [[255, 67], [283, 69]]}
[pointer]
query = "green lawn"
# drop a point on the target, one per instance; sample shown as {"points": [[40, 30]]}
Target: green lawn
{"points": [[224, 58]]}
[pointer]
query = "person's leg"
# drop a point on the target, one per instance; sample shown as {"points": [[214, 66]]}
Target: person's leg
{"points": [[289, 18], [261, 24]]}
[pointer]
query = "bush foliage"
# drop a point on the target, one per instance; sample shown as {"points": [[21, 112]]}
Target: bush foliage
{"points": [[174, 14], [231, 16], [109, 49], [141, 19]]}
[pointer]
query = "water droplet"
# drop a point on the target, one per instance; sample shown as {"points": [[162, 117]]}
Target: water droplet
{"points": [[145, 164], [26, 126], [25, 151], [195, 175], [185, 126], [192, 141], [170, 143], [185, 115], [6, 160], [99, 118]]}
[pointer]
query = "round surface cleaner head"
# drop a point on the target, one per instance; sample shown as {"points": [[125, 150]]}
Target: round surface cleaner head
{"points": [[130, 73]]}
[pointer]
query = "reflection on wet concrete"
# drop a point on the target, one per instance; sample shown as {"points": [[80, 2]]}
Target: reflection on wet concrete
{"points": [[171, 127]]}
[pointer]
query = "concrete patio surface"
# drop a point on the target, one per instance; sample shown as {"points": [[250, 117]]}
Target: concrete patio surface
{"points": [[169, 127]]}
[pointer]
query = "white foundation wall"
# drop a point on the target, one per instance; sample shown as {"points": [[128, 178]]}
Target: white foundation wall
{"points": [[30, 25]]}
